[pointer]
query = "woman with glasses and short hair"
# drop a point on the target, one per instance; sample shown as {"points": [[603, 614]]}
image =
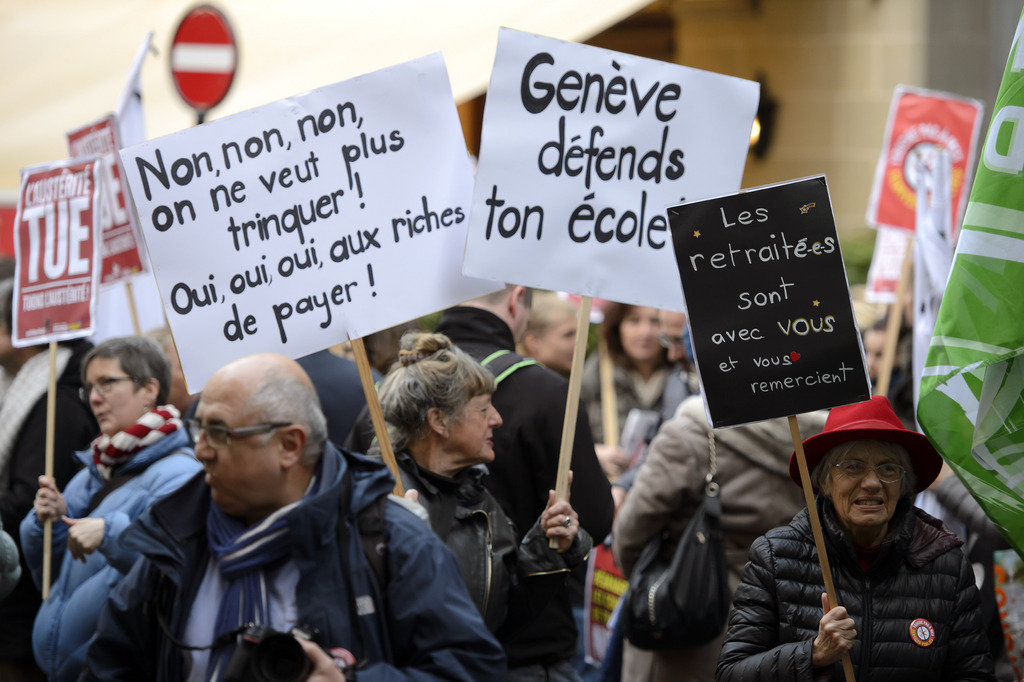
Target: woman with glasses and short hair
{"points": [[140, 455], [908, 604]]}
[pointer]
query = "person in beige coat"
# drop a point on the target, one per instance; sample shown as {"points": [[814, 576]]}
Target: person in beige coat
{"points": [[757, 495]]}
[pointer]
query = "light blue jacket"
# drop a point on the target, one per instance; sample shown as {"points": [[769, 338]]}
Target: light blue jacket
{"points": [[67, 620]]}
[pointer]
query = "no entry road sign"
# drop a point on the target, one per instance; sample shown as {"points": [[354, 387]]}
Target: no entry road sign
{"points": [[203, 58]]}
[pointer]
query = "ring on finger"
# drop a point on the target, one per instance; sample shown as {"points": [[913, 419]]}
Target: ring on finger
{"points": [[568, 521]]}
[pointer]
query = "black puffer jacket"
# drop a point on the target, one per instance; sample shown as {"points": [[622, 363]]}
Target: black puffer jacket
{"points": [[920, 573], [509, 581]]}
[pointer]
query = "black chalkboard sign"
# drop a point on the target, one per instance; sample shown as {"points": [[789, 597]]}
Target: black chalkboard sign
{"points": [[769, 308]]}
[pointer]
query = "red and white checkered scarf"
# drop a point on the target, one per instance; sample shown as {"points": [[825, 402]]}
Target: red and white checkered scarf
{"points": [[110, 451]]}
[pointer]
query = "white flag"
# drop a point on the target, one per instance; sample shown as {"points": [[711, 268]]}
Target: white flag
{"points": [[933, 251], [131, 122]]}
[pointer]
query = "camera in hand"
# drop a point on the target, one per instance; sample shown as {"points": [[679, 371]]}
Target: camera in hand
{"points": [[264, 655]]}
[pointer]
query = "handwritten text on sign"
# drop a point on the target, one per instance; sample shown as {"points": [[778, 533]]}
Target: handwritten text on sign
{"points": [[582, 149], [769, 307], [328, 215], [57, 245]]}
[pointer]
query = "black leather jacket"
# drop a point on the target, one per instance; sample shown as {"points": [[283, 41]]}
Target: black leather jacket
{"points": [[920, 573], [510, 583]]}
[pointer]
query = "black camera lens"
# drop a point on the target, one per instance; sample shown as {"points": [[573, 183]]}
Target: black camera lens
{"points": [[280, 658]]}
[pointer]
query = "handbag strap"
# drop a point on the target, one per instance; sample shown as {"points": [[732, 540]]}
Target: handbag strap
{"points": [[711, 487], [713, 468]]}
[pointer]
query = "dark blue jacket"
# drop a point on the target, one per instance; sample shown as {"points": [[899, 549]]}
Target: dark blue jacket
{"points": [[424, 628]]}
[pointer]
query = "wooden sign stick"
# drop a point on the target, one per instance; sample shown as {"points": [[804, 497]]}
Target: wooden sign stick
{"points": [[892, 330], [387, 453], [609, 400], [51, 412], [572, 403], [131, 307], [819, 538]]}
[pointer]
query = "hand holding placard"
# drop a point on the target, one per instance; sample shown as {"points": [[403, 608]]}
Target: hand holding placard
{"points": [[768, 261]]}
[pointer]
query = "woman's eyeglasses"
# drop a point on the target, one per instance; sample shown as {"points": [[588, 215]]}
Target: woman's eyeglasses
{"points": [[103, 387], [855, 470]]}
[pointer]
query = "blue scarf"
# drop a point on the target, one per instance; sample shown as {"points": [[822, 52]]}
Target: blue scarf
{"points": [[244, 554]]}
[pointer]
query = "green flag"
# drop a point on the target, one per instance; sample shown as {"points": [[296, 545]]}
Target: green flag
{"points": [[972, 388]]}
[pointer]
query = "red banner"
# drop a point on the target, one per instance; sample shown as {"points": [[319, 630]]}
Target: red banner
{"points": [[7, 217], [57, 252], [120, 233], [920, 121], [604, 586]]}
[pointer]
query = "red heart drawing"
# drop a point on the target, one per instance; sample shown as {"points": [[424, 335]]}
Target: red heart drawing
{"points": [[794, 356]]}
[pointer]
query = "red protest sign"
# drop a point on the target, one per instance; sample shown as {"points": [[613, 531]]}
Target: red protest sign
{"points": [[57, 250], [203, 58], [605, 585], [919, 122], [120, 243], [8, 213]]}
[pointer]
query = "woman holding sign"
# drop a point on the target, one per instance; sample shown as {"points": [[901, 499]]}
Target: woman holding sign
{"points": [[908, 604], [437, 403], [141, 454]]}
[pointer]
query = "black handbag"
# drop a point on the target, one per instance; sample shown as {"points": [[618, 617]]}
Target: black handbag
{"points": [[684, 601]]}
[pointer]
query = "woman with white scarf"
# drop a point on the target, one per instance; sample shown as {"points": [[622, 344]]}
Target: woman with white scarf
{"points": [[141, 454]]}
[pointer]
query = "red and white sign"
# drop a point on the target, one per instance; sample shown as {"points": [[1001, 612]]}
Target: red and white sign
{"points": [[886, 265], [118, 229], [919, 122], [58, 256], [203, 58]]}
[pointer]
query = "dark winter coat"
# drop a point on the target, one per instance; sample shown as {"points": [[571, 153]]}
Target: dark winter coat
{"points": [[422, 627], [920, 573], [509, 581]]}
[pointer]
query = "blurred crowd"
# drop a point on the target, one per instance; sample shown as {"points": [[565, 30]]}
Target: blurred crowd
{"points": [[263, 529]]}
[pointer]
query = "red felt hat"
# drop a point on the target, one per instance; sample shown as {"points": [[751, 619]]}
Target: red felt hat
{"points": [[873, 420]]}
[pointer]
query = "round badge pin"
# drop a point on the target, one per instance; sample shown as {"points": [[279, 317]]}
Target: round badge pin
{"points": [[922, 632]]}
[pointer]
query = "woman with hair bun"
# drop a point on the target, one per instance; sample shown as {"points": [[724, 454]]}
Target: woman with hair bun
{"points": [[437, 404]]}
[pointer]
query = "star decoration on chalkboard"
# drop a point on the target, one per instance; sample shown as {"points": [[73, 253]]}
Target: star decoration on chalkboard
{"points": [[806, 207], [696, 233], [816, 303]]}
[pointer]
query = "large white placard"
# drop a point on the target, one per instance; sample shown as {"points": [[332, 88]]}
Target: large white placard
{"points": [[582, 150], [291, 227]]}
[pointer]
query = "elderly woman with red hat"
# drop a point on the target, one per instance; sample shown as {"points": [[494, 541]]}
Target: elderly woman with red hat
{"points": [[908, 604]]}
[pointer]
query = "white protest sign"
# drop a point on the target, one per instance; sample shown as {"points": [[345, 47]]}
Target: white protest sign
{"points": [[886, 264], [327, 215], [582, 150]]}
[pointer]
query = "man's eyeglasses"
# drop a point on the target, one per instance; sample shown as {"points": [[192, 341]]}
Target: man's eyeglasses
{"points": [[669, 342], [103, 387], [855, 470], [220, 436]]}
